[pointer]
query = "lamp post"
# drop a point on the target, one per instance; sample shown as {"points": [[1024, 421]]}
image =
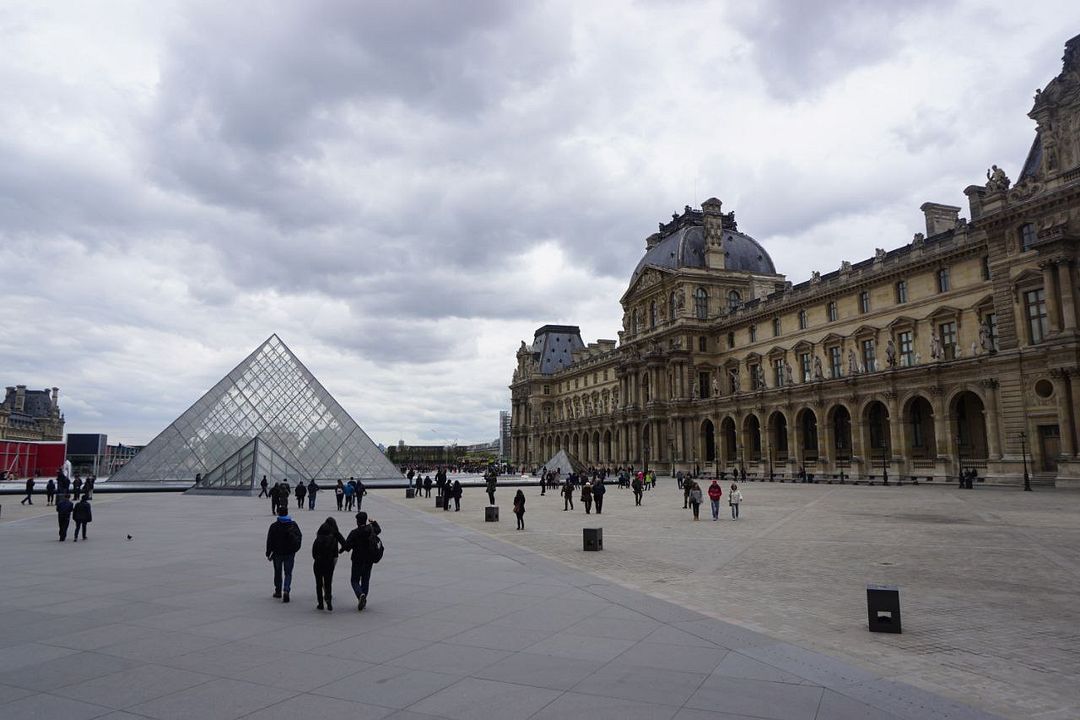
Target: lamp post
{"points": [[770, 464], [885, 466], [1023, 452]]}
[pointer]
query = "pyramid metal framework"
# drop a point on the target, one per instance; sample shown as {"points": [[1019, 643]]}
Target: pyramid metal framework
{"points": [[269, 416], [568, 463]]}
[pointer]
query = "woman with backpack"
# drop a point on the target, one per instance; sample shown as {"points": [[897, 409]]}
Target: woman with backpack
{"points": [[324, 551], [519, 509], [695, 499], [734, 498]]}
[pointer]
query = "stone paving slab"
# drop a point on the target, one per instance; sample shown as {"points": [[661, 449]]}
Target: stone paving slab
{"points": [[459, 625]]}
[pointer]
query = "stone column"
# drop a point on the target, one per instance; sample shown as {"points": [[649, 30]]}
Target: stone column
{"points": [[896, 432], [826, 440], [793, 445], [1068, 296], [1065, 409], [990, 415], [1053, 295]]}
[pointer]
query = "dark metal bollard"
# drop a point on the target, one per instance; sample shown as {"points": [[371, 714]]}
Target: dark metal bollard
{"points": [[410, 493], [438, 501], [593, 538], [491, 513], [883, 608]]}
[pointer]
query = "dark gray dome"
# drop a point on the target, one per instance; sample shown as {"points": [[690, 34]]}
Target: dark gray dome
{"points": [[686, 248]]}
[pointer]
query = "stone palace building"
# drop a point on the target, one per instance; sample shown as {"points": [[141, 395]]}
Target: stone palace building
{"points": [[958, 350]]}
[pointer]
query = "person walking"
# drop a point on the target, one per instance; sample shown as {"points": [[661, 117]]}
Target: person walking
{"points": [[687, 485], [76, 488], [598, 495], [361, 491], [714, 497], [50, 492], [324, 552], [734, 498], [64, 508], [635, 485], [587, 496], [695, 499], [83, 516], [427, 486], [519, 509], [88, 487], [543, 479], [339, 493], [350, 492], [455, 491], [29, 492], [491, 479], [568, 495], [264, 484], [301, 493], [312, 489], [283, 541], [366, 550]]}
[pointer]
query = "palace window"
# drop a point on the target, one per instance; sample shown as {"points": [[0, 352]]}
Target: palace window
{"points": [[776, 327], [703, 385], [753, 333], [634, 321], [869, 356], [830, 310], [731, 340], [778, 372], [864, 302], [906, 348], [947, 335], [990, 323], [985, 267], [547, 389], [836, 366], [943, 280], [701, 304], [802, 319], [917, 438], [702, 343], [652, 314], [901, 292], [805, 364], [1027, 236], [733, 300], [1035, 302], [671, 308]]}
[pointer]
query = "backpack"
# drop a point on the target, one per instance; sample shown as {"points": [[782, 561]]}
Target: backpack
{"points": [[296, 538], [377, 548]]}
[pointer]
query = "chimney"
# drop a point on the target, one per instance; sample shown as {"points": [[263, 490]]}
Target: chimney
{"points": [[20, 398], [714, 234], [939, 218], [56, 397]]}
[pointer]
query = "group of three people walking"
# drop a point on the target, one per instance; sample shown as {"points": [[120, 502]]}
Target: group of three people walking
{"points": [[693, 498]]}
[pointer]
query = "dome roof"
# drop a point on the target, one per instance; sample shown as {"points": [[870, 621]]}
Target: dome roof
{"points": [[685, 248]]}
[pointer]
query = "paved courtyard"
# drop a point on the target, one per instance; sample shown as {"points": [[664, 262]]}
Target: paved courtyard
{"points": [[177, 622]]}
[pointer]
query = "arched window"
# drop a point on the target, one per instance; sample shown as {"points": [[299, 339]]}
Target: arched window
{"points": [[701, 304], [634, 321], [733, 300], [652, 314], [671, 308]]}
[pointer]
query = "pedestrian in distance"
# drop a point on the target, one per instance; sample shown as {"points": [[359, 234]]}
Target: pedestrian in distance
{"points": [[491, 478], [312, 489], [76, 488], [83, 516], [301, 494], [695, 499], [568, 495], [88, 487], [636, 486], [359, 493], [427, 486], [598, 491], [339, 493], [283, 541], [519, 509], [64, 508], [324, 552], [687, 485], [734, 499], [350, 492], [367, 549], [587, 496], [264, 484], [50, 492], [455, 491], [714, 498], [543, 479], [29, 492]]}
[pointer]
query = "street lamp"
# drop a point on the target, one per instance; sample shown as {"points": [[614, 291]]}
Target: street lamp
{"points": [[770, 464], [1023, 452]]}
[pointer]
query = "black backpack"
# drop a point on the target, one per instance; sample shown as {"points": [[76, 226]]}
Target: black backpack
{"points": [[377, 548], [296, 538]]}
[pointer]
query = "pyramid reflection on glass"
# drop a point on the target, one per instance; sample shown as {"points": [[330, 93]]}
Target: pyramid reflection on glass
{"points": [[269, 416]]}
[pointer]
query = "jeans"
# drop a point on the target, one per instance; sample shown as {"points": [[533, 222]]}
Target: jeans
{"points": [[340, 499], [734, 511], [599, 503], [348, 502], [568, 503], [64, 523], [79, 525], [695, 506], [360, 579], [491, 497], [715, 509], [283, 563], [588, 506], [324, 581], [311, 502]]}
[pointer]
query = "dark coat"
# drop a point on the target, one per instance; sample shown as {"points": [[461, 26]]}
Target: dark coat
{"points": [[82, 512], [64, 508], [325, 548], [359, 542], [279, 537], [457, 489]]}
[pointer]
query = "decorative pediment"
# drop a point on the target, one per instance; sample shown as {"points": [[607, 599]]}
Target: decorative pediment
{"points": [[866, 330], [832, 338], [984, 301], [1029, 276], [753, 357], [945, 311], [902, 321], [777, 350], [649, 277], [803, 346]]}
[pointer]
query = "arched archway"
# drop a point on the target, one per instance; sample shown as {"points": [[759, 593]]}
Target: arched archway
{"points": [[708, 441], [806, 421], [607, 446], [919, 430], [596, 447], [729, 440], [646, 445], [876, 424], [752, 438], [778, 436], [969, 427], [840, 426]]}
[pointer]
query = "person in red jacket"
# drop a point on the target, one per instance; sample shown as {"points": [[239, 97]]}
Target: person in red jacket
{"points": [[714, 497]]}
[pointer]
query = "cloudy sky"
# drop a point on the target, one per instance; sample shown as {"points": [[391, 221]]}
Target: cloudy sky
{"points": [[403, 191]]}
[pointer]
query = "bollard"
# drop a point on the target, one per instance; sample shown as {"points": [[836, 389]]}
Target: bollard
{"points": [[593, 538], [491, 513], [410, 493], [883, 608]]}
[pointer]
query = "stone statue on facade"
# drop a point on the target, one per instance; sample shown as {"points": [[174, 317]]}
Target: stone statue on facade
{"points": [[890, 354], [734, 373], [996, 179], [716, 385], [818, 374], [680, 302], [845, 266], [815, 277], [984, 337], [787, 374], [879, 255], [935, 348], [761, 383], [693, 390], [852, 363]]}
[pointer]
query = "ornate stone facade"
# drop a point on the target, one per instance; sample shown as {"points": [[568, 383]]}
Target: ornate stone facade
{"points": [[31, 414], [959, 349]]}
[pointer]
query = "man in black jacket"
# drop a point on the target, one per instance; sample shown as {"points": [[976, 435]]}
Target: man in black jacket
{"points": [[64, 509], [362, 542], [492, 479], [29, 492], [283, 540], [82, 516]]}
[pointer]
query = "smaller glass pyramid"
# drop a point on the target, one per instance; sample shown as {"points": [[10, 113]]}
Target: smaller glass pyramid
{"points": [[269, 416]]}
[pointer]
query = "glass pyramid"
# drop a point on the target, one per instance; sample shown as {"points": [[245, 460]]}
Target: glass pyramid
{"points": [[271, 398]]}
